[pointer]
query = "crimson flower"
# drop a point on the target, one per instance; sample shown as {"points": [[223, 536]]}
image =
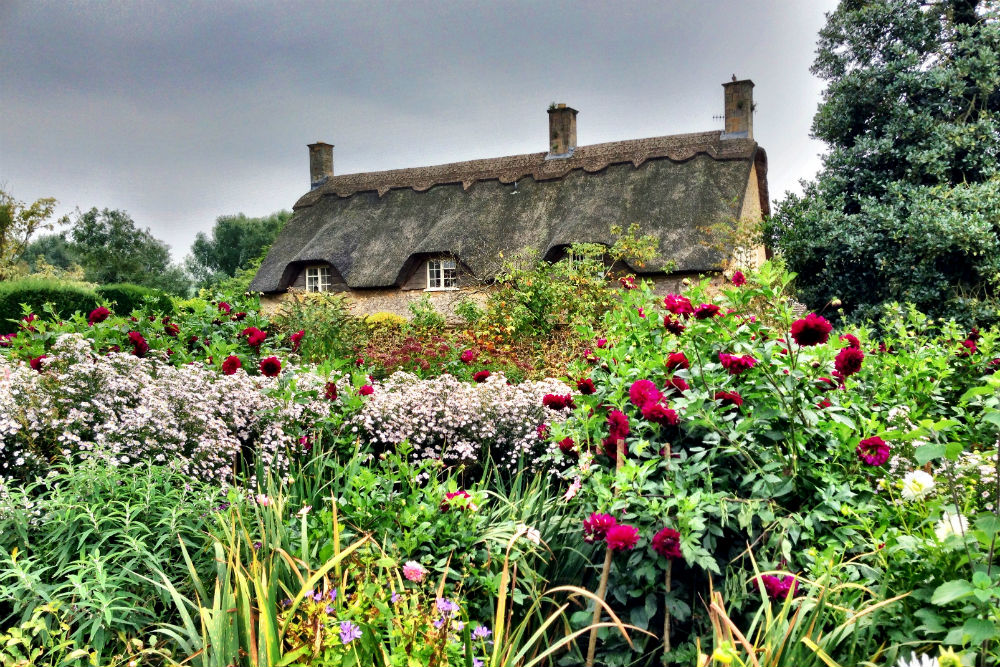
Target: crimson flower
{"points": [[585, 386], [667, 543], [852, 340], [595, 527], [993, 365], [461, 499], [254, 336], [739, 279], [566, 445], [270, 367], [677, 383], [297, 340], [736, 365], [811, 330], [480, 376], [678, 305], [98, 315], [659, 414], [171, 329], [557, 402], [36, 363], [139, 345], [968, 348], [224, 307], [873, 451], [729, 398], [675, 327], [601, 343], [628, 282], [330, 391], [848, 361], [7, 338], [676, 360], [824, 404], [706, 311], [468, 356], [366, 390], [642, 392], [826, 384], [239, 317], [778, 588], [231, 364], [622, 536]]}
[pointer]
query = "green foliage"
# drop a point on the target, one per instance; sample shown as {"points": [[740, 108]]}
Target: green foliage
{"points": [[424, 316], [18, 223], [236, 241], [112, 249], [331, 332], [470, 311], [127, 298], [907, 205], [66, 299], [53, 249]]}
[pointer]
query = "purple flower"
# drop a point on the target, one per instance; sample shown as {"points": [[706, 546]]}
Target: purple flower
{"points": [[446, 606], [396, 597], [481, 632], [328, 609], [476, 662], [349, 632], [332, 594], [318, 596]]}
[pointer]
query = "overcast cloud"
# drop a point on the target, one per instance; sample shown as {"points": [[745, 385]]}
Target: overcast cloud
{"points": [[180, 112]]}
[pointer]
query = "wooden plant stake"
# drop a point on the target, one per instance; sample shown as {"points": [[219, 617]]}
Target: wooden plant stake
{"points": [[666, 609], [602, 588]]}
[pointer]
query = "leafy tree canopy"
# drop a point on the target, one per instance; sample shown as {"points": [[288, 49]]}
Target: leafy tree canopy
{"points": [[907, 204], [18, 223], [112, 249], [236, 241]]}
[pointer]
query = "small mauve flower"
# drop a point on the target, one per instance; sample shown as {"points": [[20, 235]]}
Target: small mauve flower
{"points": [[659, 414], [848, 361], [297, 340], [585, 386], [566, 445], [738, 279], [366, 390], [852, 340], [678, 305], [811, 330], [628, 282], [676, 360], [675, 327], [873, 451], [270, 367], [330, 391], [98, 315], [736, 365], [705, 311], [480, 376], [468, 356], [729, 398], [414, 571], [667, 543], [231, 364], [139, 345], [36, 363], [349, 632], [642, 392], [224, 307], [621, 537], [595, 527]]}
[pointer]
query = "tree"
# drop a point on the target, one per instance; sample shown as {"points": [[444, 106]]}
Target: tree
{"points": [[906, 206], [235, 243], [112, 249], [55, 249], [18, 223]]}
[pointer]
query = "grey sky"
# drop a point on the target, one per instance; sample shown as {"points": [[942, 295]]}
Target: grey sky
{"points": [[179, 112]]}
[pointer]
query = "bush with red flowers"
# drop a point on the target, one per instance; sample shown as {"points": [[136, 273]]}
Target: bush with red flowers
{"points": [[270, 367]]}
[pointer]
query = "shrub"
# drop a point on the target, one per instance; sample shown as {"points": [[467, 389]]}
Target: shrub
{"points": [[332, 333], [66, 298], [425, 317], [127, 297], [384, 320]]}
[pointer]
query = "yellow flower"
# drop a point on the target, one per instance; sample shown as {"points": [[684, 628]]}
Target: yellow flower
{"points": [[949, 658], [725, 653]]}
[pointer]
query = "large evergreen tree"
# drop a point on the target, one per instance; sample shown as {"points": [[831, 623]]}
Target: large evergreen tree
{"points": [[907, 204]]}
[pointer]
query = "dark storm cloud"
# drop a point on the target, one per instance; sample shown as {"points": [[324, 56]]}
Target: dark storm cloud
{"points": [[180, 112]]}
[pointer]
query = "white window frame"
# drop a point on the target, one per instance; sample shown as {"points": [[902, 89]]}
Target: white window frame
{"points": [[318, 278], [442, 274]]}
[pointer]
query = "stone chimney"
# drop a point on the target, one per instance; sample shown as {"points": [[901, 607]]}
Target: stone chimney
{"points": [[320, 163], [739, 109], [562, 131]]}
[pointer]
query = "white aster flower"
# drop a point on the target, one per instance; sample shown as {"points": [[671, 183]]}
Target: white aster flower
{"points": [[918, 661], [917, 484], [529, 533], [951, 524]]}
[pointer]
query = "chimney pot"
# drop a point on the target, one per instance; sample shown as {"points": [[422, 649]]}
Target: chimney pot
{"points": [[562, 131], [738, 97], [320, 164]]}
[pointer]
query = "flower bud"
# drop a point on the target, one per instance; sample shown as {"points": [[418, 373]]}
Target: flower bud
{"points": [[836, 303], [686, 282]]}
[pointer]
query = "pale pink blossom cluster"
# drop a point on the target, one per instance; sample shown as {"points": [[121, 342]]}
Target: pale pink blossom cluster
{"points": [[456, 422], [123, 410]]}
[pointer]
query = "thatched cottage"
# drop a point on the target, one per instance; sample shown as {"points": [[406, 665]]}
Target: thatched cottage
{"points": [[386, 238]]}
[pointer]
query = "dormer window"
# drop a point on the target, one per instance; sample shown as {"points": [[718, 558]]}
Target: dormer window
{"points": [[318, 279], [442, 274]]}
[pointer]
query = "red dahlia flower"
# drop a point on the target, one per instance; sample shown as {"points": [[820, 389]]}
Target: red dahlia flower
{"points": [[739, 279], [778, 588], [171, 329], [224, 307], [852, 340], [848, 361], [676, 360], [667, 543], [673, 326], [968, 348], [98, 315], [297, 340], [601, 343], [628, 282], [811, 330], [736, 365], [557, 402], [36, 363], [468, 356], [566, 445], [706, 311], [7, 338], [366, 390], [595, 527], [231, 364], [330, 391], [729, 398], [621, 536], [239, 317], [677, 383], [678, 305], [585, 386], [824, 404], [460, 499], [139, 345], [254, 336], [642, 392], [270, 367], [480, 376], [659, 414], [873, 451]]}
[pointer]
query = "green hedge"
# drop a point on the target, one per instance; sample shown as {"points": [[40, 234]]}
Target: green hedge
{"points": [[66, 298], [126, 297]]}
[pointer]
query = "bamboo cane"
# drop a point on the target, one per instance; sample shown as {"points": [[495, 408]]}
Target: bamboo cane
{"points": [[602, 588]]}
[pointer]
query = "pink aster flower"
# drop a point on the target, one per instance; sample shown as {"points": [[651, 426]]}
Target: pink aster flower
{"points": [[873, 451], [414, 571], [595, 527], [622, 536]]}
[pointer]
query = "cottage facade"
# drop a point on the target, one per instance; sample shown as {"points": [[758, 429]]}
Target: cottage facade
{"points": [[390, 237]]}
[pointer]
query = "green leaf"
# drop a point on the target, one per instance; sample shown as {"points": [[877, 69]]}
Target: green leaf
{"points": [[989, 523], [928, 452], [951, 591], [980, 630]]}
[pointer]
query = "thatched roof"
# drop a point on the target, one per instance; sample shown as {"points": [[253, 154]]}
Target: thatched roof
{"points": [[370, 226]]}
